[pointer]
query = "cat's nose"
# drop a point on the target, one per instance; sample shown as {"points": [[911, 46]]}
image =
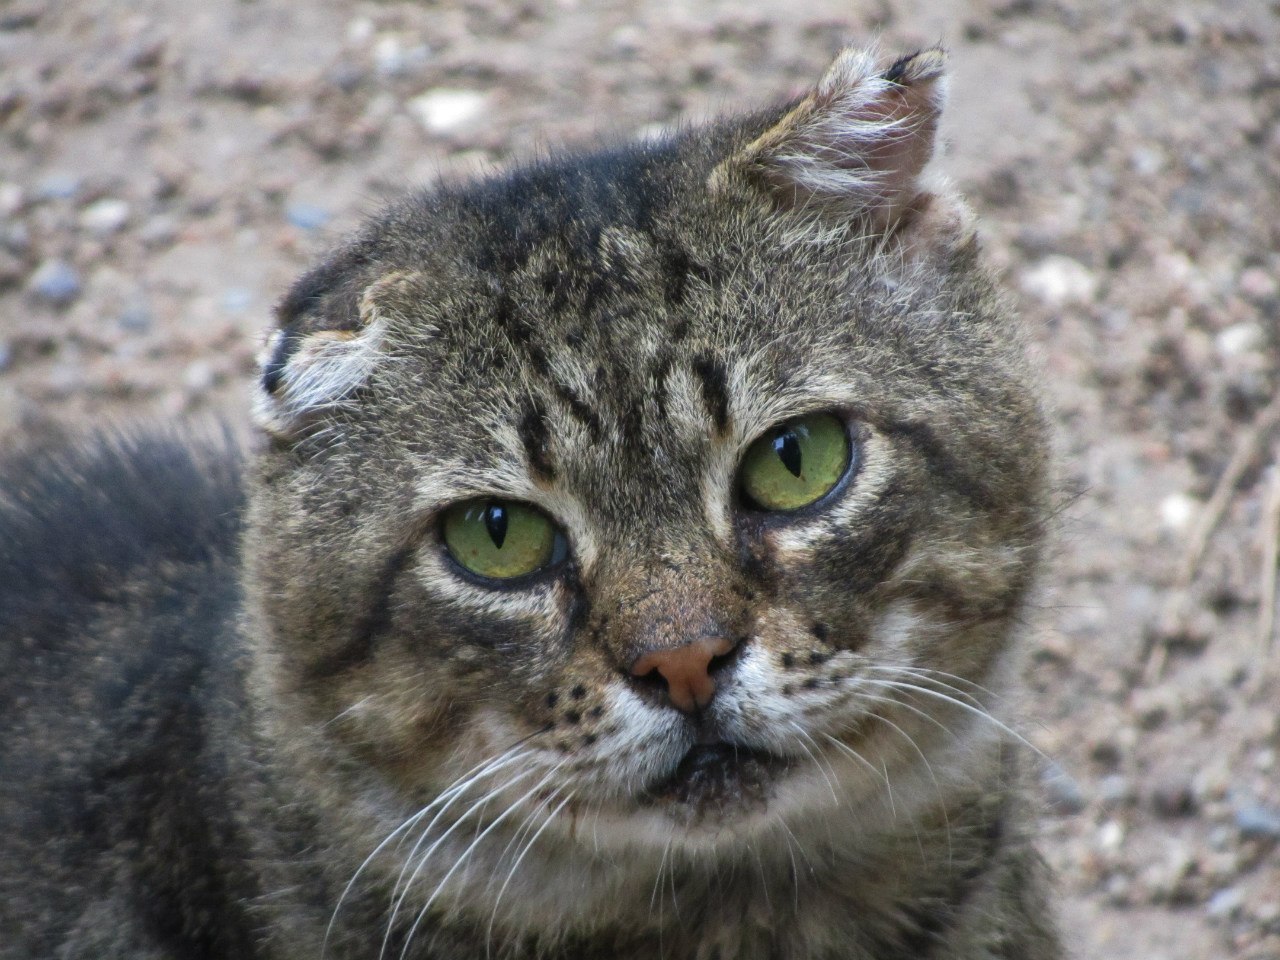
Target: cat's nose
{"points": [[685, 671]]}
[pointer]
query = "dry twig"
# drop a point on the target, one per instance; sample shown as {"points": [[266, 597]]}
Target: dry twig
{"points": [[1270, 555], [1175, 609]]}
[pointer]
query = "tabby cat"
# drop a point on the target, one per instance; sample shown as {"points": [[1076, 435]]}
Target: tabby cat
{"points": [[631, 568]]}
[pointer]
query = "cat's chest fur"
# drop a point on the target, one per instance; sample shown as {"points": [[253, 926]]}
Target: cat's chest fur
{"points": [[631, 567]]}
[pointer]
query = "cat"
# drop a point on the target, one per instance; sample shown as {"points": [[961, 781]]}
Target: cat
{"points": [[631, 566]]}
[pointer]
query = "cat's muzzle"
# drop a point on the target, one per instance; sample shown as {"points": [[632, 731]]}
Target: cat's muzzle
{"points": [[715, 780]]}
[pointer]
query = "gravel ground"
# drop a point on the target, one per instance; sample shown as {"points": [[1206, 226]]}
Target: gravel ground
{"points": [[166, 168]]}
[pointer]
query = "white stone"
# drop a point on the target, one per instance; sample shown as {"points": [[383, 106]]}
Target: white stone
{"points": [[1146, 161], [445, 110], [1177, 511], [1110, 836], [1057, 280], [11, 199], [359, 30], [1238, 338], [393, 59], [104, 217], [1225, 903], [1258, 284]]}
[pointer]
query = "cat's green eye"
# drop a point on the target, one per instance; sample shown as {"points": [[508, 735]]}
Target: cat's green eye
{"points": [[501, 539], [796, 462]]}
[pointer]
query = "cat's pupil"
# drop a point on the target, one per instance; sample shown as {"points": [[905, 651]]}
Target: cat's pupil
{"points": [[787, 447], [495, 521]]}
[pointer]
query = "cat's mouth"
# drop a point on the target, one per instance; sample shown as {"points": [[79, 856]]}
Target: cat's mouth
{"points": [[715, 779]]}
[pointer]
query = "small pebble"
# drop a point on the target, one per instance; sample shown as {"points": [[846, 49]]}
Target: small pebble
{"points": [[1177, 511], [16, 238], [159, 231], [136, 318], [58, 186], [1172, 800], [1110, 836], [199, 378], [444, 110], [1238, 339], [1257, 284], [1115, 790], [360, 30], [1062, 790], [6, 356], [393, 59], [1258, 823], [56, 282], [306, 216], [627, 39], [1225, 903], [1222, 838], [1057, 280], [1106, 752], [104, 217], [1146, 161], [11, 199], [237, 300]]}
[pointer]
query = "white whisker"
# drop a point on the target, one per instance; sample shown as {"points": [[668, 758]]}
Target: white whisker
{"points": [[466, 854]]}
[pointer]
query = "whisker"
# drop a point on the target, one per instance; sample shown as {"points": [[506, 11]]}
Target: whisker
{"points": [[657, 883], [814, 756], [480, 769], [426, 855], [466, 854], [488, 936], [841, 745], [968, 708]]}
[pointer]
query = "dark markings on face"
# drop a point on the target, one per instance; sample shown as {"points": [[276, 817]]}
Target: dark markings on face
{"points": [[536, 440], [376, 619], [273, 369], [715, 389], [676, 266], [581, 411], [943, 466], [958, 603], [862, 557]]}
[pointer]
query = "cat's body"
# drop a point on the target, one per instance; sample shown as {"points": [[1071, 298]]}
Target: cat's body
{"points": [[687, 722]]}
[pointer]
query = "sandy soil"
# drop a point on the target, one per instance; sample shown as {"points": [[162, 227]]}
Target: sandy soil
{"points": [[167, 167]]}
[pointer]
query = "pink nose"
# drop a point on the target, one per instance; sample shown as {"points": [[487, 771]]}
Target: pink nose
{"points": [[686, 670]]}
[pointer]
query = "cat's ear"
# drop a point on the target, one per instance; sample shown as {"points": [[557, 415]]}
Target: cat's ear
{"points": [[327, 344], [855, 146]]}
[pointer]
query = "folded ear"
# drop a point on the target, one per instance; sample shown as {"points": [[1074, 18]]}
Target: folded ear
{"points": [[329, 341], [855, 146]]}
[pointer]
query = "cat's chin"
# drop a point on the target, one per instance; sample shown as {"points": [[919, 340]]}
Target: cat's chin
{"points": [[716, 782]]}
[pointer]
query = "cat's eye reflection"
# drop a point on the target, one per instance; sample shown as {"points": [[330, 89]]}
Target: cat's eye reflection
{"points": [[796, 463], [501, 539]]}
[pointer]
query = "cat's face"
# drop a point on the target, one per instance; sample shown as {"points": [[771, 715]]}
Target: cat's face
{"points": [[632, 491]]}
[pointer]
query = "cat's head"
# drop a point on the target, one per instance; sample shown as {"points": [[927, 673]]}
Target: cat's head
{"points": [[685, 488]]}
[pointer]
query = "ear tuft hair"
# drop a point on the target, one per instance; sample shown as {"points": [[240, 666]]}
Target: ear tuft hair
{"points": [[856, 145], [312, 365]]}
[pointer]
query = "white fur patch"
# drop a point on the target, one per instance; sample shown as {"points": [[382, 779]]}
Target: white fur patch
{"points": [[858, 143], [327, 366]]}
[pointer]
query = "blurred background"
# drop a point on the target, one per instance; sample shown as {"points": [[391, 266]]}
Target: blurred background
{"points": [[166, 168]]}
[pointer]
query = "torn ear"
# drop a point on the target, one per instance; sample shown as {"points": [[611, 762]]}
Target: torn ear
{"points": [[324, 351], [855, 146]]}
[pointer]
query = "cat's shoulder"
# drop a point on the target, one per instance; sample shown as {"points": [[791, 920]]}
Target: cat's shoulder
{"points": [[116, 541], [119, 599]]}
